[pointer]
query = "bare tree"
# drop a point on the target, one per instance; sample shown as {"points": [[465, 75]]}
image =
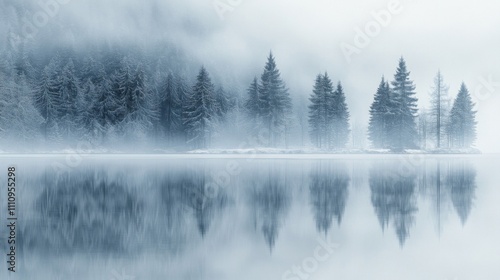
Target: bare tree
{"points": [[439, 109]]}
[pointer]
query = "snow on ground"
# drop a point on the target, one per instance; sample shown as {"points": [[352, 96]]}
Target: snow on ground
{"points": [[252, 151], [319, 151]]}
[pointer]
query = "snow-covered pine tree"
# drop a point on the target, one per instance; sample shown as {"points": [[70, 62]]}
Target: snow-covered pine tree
{"points": [[68, 107], [339, 115], [252, 110], [121, 85], [138, 109], [28, 129], [107, 106], [19, 119], [47, 98], [201, 112], [183, 93], [252, 105], [462, 127], [317, 118], [170, 110], [404, 131], [439, 110], [89, 122], [381, 116], [224, 103], [274, 101], [329, 111]]}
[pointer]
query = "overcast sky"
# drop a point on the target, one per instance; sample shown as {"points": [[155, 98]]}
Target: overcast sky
{"points": [[459, 37]]}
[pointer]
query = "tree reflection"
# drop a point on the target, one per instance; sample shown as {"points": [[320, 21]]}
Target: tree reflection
{"points": [[461, 182], [328, 191], [393, 197], [271, 201], [448, 182], [191, 189], [83, 211]]}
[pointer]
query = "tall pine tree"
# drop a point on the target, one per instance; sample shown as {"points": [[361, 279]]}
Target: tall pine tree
{"points": [[381, 116], [201, 111], [339, 118], [317, 113], [69, 92], [404, 130], [462, 127], [47, 97], [170, 108], [275, 102]]}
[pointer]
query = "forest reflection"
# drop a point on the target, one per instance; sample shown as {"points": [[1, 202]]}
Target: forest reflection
{"points": [[99, 212]]}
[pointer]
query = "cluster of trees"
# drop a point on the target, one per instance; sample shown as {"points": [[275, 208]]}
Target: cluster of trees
{"points": [[114, 98], [328, 114], [106, 101], [123, 103], [394, 116]]}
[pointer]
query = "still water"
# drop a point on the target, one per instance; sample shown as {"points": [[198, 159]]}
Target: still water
{"points": [[153, 217]]}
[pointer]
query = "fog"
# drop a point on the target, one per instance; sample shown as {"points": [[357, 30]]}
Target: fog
{"points": [[232, 39]]}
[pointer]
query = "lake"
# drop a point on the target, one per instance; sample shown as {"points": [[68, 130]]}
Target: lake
{"points": [[230, 217]]}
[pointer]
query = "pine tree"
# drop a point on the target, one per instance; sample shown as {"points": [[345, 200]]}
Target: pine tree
{"points": [[170, 108], [462, 127], [274, 101], [224, 103], [90, 117], [329, 112], [339, 116], [68, 104], [121, 85], [47, 96], [183, 93], [138, 109], [201, 111], [19, 119], [317, 109], [252, 110], [381, 116], [252, 104], [404, 131], [107, 106]]}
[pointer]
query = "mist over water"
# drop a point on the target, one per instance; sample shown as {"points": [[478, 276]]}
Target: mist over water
{"points": [[97, 79], [189, 218]]}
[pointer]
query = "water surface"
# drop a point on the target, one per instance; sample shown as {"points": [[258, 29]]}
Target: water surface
{"points": [[379, 217]]}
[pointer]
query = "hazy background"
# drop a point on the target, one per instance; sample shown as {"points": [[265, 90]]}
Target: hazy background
{"points": [[459, 37]]}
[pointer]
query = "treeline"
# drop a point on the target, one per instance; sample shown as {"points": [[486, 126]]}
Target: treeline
{"points": [[107, 101], [112, 99], [395, 122]]}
